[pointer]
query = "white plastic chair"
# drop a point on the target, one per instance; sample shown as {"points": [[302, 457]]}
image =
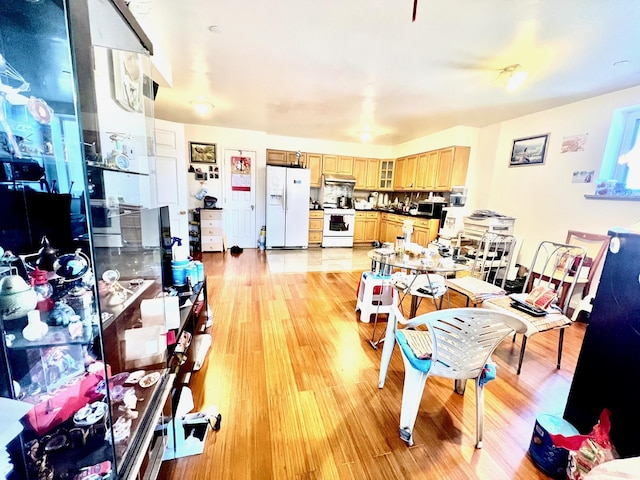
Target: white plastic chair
{"points": [[462, 341], [431, 286]]}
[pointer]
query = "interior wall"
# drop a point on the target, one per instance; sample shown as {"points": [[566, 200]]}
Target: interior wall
{"points": [[543, 198]]}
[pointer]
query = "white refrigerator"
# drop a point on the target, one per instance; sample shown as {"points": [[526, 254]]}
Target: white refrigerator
{"points": [[288, 191]]}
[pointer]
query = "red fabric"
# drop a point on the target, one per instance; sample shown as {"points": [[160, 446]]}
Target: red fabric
{"points": [[63, 405]]}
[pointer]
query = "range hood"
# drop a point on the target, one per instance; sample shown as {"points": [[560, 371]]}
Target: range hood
{"points": [[331, 178]]}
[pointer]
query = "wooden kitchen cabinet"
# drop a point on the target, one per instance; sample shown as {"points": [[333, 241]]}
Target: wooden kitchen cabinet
{"points": [[424, 231], [373, 174], [405, 173], [366, 227], [409, 176], [391, 227], [276, 157], [360, 172], [398, 177], [329, 164], [316, 224], [345, 165], [424, 171], [314, 163], [285, 158], [367, 173], [386, 175], [450, 168], [292, 159]]}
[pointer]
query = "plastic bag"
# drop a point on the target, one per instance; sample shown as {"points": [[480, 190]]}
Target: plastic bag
{"points": [[587, 451]]}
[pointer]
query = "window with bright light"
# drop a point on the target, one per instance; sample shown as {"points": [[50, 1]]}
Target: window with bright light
{"points": [[620, 172]]}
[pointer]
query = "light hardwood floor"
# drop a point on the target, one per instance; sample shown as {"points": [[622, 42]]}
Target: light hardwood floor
{"points": [[295, 380]]}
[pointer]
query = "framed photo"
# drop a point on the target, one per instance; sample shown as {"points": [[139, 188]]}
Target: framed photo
{"points": [[202, 152], [529, 150]]}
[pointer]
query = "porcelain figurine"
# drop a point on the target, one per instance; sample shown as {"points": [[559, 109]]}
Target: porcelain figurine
{"points": [[17, 298]]}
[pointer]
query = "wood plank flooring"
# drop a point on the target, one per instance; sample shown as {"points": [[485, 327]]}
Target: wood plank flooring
{"points": [[295, 379]]}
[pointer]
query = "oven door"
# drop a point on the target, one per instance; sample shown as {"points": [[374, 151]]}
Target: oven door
{"points": [[338, 225]]}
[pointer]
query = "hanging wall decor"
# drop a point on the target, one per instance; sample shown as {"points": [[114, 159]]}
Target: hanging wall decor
{"points": [[240, 173], [202, 152], [529, 150]]}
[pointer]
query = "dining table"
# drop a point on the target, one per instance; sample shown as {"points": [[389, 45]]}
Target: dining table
{"points": [[413, 275]]}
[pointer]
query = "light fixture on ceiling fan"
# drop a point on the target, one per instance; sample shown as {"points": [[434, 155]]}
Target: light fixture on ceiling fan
{"points": [[513, 76]]}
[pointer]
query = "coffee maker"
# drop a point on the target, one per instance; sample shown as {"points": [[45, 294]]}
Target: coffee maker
{"points": [[452, 219]]}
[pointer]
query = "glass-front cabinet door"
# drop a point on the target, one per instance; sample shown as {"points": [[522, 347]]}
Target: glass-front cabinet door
{"points": [[83, 245]]}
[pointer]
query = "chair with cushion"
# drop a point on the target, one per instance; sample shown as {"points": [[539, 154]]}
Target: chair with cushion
{"points": [[457, 345], [596, 245], [413, 288], [491, 263], [556, 266]]}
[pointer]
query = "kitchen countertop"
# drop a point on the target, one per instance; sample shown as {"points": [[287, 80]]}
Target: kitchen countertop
{"points": [[383, 210]]}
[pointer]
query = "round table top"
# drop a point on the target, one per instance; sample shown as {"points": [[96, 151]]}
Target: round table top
{"points": [[386, 256]]}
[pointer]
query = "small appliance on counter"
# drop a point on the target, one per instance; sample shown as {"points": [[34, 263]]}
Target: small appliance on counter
{"points": [[210, 202], [430, 208]]}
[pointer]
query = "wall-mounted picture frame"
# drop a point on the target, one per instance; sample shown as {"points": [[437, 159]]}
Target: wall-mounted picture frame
{"points": [[529, 150], [202, 152]]}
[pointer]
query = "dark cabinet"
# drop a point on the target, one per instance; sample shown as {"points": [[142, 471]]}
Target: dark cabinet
{"points": [[608, 368]]}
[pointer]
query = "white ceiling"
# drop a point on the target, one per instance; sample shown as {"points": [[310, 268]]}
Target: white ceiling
{"points": [[327, 69]]}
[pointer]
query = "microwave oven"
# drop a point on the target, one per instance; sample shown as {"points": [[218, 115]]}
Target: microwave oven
{"points": [[430, 209]]}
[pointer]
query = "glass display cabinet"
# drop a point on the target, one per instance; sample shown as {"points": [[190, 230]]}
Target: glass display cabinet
{"points": [[88, 333]]}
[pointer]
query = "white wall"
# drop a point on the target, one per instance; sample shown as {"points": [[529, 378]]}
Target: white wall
{"points": [[541, 197]]}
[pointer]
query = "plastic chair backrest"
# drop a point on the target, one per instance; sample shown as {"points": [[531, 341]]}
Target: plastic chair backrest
{"points": [[464, 338]]}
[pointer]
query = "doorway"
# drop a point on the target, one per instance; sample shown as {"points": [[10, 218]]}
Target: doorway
{"points": [[240, 190]]}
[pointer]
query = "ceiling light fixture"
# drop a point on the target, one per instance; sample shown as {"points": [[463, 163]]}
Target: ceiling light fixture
{"points": [[201, 106], [513, 76], [365, 134]]}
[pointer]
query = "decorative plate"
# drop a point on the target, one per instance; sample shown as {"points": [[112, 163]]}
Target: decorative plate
{"points": [[149, 379], [135, 377]]}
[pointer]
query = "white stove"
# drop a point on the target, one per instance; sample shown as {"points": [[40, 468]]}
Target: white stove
{"points": [[338, 227]]}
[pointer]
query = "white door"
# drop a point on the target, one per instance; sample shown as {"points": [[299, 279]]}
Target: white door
{"points": [[239, 170], [171, 177]]}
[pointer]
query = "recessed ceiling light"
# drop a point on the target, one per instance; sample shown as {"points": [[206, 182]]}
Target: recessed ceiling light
{"points": [[201, 106], [215, 28]]}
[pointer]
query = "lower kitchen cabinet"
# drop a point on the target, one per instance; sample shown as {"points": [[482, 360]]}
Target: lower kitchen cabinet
{"points": [[366, 227], [316, 224], [211, 230]]}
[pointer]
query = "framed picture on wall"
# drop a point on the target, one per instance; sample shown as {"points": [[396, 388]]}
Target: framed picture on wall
{"points": [[202, 152], [529, 150]]}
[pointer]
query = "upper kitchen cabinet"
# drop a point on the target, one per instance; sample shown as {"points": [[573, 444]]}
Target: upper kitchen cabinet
{"points": [[439, 170], [452, 167], [367, 173], [337, 164], [345, 165], [386, 175], [373, 174], [405, 173], [286, 158], [276, 157], [314, 163]]}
